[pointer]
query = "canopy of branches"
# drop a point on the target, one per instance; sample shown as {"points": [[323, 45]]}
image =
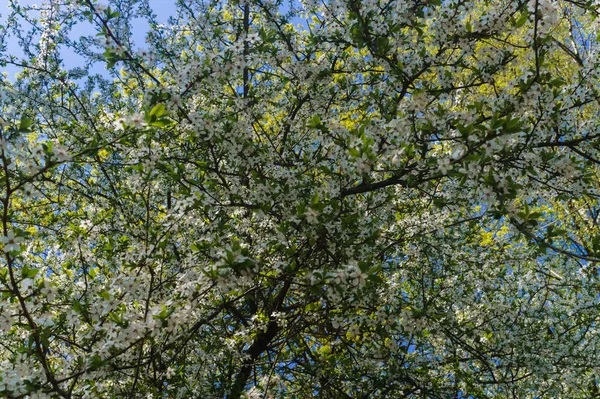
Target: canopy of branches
{"points": [[268, 199]]}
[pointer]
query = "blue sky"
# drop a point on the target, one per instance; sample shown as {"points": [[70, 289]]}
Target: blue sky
{"points": [[163, 9]]}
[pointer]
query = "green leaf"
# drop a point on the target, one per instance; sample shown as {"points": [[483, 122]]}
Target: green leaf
{"points": [[315, 121], [383, 44], [161, 123], [158, 110], [557, 82], [112, 14], [111, 58], [522, 19], [96, 362], [315, 199], [513, 126], [26, 272], [25, 123], [78, 307], [596, 244]]}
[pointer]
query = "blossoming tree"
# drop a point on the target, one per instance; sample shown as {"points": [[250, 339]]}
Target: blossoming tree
{"points": [[342, 199]]}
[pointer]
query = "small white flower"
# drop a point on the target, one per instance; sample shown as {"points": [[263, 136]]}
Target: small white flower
{"points": [[61, 154], [354, 331], [38, 152], [29, 191], [32, 168], [458, 152], [365, 165], [358, 277], [311, 216], [27, 285], [237, 47], [137, 121], [444, 165], [120, 51], [176, 100], [11, 242], [120, 124], [253, 37]]}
